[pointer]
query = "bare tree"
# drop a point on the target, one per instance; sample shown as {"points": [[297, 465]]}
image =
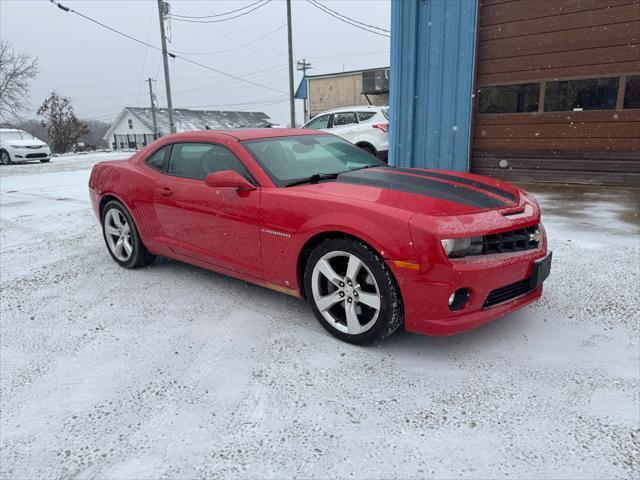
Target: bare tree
{"points": [[97, 129], [63, 127], [16, 72]]}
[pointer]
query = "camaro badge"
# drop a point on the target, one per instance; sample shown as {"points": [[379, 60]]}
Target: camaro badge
{"points": [[274, 232]]}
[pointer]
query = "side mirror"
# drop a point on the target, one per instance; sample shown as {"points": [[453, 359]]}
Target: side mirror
{"points": [[228, 179]]}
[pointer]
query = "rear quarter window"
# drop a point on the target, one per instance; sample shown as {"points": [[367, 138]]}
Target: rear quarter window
{"points": [[364, 116], [159, 161]]}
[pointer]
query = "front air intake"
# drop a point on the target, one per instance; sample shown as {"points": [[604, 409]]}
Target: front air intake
{"points": [[504, 294]]}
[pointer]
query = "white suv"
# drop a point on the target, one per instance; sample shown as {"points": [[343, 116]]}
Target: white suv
{"points": [[20, 146], [366, 126]]}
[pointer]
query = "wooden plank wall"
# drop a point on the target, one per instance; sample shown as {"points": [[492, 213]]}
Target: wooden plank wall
{"points": [[535, 41]]}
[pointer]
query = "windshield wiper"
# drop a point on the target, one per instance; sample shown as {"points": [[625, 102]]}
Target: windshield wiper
{"points": [[316, 177]]}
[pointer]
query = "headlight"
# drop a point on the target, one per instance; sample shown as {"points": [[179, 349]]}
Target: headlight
{"points": [[15, 146], [456, 247]]}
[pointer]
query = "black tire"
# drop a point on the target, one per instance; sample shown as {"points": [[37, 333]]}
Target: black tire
{"points": [[45, 160], [140, 256], [391, 313], [369, 149], [5, 158]]}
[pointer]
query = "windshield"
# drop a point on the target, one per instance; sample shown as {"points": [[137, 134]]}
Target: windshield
{"points": [[287, 159], [14, 135]]}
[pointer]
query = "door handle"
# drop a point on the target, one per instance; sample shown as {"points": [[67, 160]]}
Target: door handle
{"points": [[166, 191]]}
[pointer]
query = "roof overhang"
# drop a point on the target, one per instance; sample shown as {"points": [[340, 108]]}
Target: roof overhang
{"points": [[109, 133]]}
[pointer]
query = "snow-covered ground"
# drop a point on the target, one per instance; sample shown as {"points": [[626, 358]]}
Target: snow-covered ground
{"points": [[176, 372]]}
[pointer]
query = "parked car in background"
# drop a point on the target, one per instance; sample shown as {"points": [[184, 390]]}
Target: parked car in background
{"points": [[20, 146], [366, 127]]}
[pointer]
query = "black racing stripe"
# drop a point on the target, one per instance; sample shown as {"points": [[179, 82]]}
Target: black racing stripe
{"points": [[381, 178], [465, 181]]}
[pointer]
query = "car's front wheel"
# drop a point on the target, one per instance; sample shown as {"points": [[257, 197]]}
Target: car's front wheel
{"points": [[352, 291], [5, 159], [122, 237], [45, 160]]}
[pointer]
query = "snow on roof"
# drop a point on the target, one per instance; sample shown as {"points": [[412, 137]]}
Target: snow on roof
{"points": [[189, 120]]}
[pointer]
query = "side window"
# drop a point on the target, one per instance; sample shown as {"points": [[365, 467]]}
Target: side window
{"points": [[632, 92], [519, 98], [344, 118], [319, 122], [160, 159], [578, 95], [197, 160], [364, 116]]}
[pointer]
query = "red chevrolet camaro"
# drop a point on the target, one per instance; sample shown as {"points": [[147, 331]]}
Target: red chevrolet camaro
{"points": [[372, 247]]}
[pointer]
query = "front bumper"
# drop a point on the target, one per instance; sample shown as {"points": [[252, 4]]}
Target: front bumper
{"points": [[29, 154], [426, 293]]}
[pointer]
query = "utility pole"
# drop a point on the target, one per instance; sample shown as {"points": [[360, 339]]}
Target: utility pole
{"points": [[303, 66], [292, 104], [153, 110], [163, 9]]}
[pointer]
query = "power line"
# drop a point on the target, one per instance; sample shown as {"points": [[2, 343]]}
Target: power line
{"points": [[229, 75], [322, 8], [196, 20], [131, 95], [219, 14], [385, 30], [225, 82], [171, 54], [238, 47], [241, 104]]}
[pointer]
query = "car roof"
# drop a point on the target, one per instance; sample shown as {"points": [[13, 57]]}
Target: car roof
{"points": [[247, 134], [10, 130], [357, 108]]}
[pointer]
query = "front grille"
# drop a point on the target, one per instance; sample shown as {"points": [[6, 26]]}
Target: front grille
{"points": [[509, 292], [519, 240], [36, 155]]}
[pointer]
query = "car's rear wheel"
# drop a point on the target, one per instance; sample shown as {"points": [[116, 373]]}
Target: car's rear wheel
{"points": [[368, 148], [122, 237], [352, 291], [5, 159]]}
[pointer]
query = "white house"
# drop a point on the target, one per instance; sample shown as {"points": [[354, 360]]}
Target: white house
{"points": [[133, 127]]}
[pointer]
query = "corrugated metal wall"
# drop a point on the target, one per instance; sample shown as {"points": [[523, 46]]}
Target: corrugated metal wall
{"points": [[432, 66]]}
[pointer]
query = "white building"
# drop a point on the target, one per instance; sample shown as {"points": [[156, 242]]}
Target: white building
{"points": [[133, 127]]}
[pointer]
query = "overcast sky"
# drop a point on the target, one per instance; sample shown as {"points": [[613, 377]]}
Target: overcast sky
{"points": [[102, 72]]}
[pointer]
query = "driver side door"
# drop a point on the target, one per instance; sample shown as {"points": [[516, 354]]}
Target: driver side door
{"points": [[219, 226]]}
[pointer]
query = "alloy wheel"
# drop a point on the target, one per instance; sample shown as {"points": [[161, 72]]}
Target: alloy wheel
{"points": [[118, 234], [345, 292], [4, 158]]}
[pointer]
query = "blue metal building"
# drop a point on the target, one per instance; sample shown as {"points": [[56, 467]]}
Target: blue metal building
{"points": [[433, 48]]}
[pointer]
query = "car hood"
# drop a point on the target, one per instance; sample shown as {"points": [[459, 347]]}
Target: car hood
{"points": [[429, 192], [31, 142]]}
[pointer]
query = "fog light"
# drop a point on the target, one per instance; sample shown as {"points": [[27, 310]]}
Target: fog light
{"points": [[458, 299]]}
